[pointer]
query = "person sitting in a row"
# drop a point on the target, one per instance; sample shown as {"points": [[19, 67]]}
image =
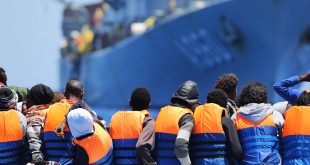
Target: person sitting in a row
{"points": [[185, 132], [93, 144], [259, 126], [13, 130], [133, 131]]}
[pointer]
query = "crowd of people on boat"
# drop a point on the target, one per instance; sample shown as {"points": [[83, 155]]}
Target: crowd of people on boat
{"points": [[40, 126], [93, 27]]}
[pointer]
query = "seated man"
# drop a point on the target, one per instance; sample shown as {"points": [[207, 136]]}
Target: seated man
{"points": [[57, 136], [93, 144], [38, 100], [258, 125], [13, 130], [214, 139], [296, 132], [174, 125], [228, 83], [133, 131]]}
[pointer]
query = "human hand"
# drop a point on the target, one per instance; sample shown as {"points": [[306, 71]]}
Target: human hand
{"points": [[305, 77]]}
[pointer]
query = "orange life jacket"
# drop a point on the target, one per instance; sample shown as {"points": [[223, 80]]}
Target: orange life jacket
{"points": [[125, 129], [55, 145], [296, 135], [98, 146], [208, 139], [11, 137], [166, 129]]}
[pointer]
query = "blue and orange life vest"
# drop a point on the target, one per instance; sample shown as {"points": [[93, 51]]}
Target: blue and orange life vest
{"points": [[56, 146], [208, 139], [11, 138], [166, 131], [98, 146], [296, 136], [125, 129], [259, 141]]}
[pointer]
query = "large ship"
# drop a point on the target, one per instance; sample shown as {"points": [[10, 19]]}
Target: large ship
{"points": [[264, 40]]}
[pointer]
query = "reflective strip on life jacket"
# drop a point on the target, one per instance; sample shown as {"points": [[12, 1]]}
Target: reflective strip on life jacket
{"points": [[98, 146], [208, 139], [125, 129], [296, 136], [11, 136], [57, 147], [166, 130], [125, 151], [259, 141], [11, 152]]}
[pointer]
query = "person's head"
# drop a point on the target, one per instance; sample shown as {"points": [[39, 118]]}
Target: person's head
{"points": [[217, 96], [105, 6], [186, 95], [38, 95], [74, 90], [3, 77], [303, 99], [253, 92], [8, 99], [58, 97], [140, 99], [80, 122], [228, 83]]}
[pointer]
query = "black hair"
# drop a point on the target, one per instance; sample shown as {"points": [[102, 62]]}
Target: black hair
{"points": [[3, 77], [253, 92], [303, 99], [74, 87], [58, 96], [40, 94], [2, 70], [227, 82], [217, 96], [140, 99], [20, 97]]}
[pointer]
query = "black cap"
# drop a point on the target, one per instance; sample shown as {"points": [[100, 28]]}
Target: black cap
{"points": [[41, 94]]}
